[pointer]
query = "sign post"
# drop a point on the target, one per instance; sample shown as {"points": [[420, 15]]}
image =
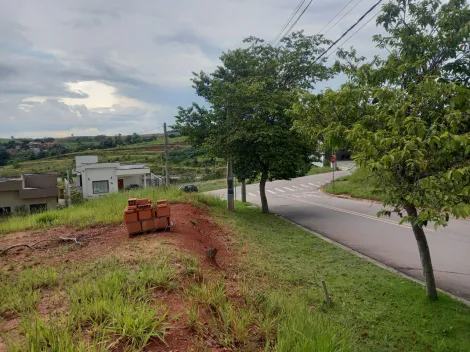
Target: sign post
{"points": [[333, 161]]}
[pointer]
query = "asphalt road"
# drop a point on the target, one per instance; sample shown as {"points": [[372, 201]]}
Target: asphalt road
{"points": [[354, 224]]}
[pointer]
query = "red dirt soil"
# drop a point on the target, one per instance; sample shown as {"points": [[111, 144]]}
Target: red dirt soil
{"points": [[194, 232]]}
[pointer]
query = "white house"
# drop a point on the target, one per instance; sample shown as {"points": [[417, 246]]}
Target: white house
{"points": [[98, 179]]}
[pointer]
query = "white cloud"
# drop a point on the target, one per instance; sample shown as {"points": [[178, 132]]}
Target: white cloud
{"points": [[99, 66]]}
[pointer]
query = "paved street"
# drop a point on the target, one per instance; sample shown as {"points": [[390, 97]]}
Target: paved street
{"points": [[355, 224]]}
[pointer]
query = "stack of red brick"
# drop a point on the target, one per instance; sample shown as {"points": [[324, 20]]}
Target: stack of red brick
{"points": [[141, 216]]}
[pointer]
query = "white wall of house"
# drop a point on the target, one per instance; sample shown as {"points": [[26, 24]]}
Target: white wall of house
{"points": [[91, 175], [132, 180], [85, 159]]}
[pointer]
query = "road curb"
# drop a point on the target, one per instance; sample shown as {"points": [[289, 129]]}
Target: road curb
{"points": [[372, 260]]}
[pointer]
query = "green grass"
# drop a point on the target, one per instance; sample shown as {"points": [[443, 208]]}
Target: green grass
{"points": [[276, 304], [357, 185], [315, 170], [382, 311], [211, 185], [101, 211], [21, 293], [110, 301]]}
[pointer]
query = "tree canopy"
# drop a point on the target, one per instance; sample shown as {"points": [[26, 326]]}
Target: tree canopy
{"points": [[406, 118], [248, 96]]}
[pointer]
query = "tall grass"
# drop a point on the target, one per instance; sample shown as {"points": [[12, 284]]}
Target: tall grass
{"points": [[358, 185], [101, 211]]}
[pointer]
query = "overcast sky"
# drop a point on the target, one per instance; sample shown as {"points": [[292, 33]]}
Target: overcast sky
{"points": [[88, 67]]}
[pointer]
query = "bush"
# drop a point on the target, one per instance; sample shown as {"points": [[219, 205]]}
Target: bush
{"points": [[76, 196], [46, 219], [214, 175]]}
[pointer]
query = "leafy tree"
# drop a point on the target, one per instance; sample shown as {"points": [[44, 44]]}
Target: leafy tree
{"points": [[4, 156], [407, 118], [248, 96]]}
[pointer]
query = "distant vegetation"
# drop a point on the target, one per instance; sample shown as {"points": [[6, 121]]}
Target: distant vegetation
{"points": [[187, 164]]}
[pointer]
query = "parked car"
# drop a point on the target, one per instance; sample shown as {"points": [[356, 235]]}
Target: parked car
{"points": [[189, 188], [132, 186]]}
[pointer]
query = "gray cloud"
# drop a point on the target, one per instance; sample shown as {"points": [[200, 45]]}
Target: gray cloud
{"points": [[145, 51]]}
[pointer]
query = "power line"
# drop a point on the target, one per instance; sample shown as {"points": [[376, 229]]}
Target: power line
{"points": [[352, 35], [153, 129], [289, 20], [349, 29], [347, 13], [321, 30], [297, 20]]}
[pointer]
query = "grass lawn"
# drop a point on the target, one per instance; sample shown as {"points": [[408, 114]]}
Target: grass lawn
{"points": [[382, 311], [319, 170], [275, 303], [101, 211], [211, 185], [356, 185]]}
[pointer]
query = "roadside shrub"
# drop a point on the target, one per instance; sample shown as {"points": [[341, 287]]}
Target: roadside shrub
{"points": [[46, 219]]}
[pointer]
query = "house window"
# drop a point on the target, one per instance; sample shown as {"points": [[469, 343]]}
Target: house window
{"points": [[37, 208], [5, 211], [100, 187]]}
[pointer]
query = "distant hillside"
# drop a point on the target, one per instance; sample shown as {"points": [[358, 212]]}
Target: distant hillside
{"points": [[186, 163]]}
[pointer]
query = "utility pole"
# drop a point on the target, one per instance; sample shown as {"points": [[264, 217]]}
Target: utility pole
{"points": [[167, 174], [230, 194], [243, 191], [69, 202]]}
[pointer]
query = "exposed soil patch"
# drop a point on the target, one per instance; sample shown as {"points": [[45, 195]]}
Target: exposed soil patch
{"points": [[194, 233]]}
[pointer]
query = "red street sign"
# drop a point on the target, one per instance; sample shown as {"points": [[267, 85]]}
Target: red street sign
{"points": [[333, 159]]}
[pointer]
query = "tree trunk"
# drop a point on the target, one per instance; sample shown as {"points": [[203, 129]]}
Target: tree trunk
{"points": [[243, 191], [424, 254], [262, 191]]}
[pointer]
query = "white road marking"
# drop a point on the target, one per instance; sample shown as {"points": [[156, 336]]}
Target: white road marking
{"points": [[295, 195], [296, 187], [289, 189], [258, 192], [270, 191], [305, 186], [391, 222], [311, 184], [279, 190], [251, 194]]}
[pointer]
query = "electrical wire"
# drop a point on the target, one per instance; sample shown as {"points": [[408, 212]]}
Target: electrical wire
{"points": [[297, 20], [321, 30], [289, 20], [349, 29], [153, 129], [352, 35], [347, 13]]}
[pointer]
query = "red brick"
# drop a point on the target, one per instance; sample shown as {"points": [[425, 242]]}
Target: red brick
{"points": [[148, 225], [132, 217], [162, 223], [145, 214], [134, 227], [163, 210]]}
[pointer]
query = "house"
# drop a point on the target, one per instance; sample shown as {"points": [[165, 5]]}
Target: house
{"points": [[31, 193], [97, 179], [49, 145], [32, 145]]}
